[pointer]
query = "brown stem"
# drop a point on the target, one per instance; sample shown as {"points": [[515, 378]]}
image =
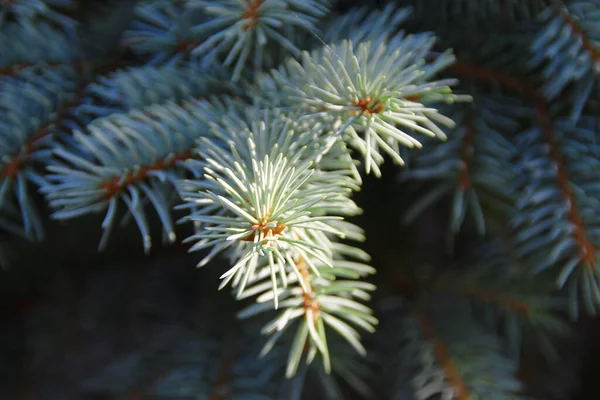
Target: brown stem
{"points": [[310, 302], [443, 356], [587, 249], [483, 74], [13, 167], [252, 15], [118, 184], [586, 43]]}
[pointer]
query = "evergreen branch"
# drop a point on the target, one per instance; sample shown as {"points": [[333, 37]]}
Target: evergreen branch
{"points": [[126, 157], [52, 96], [314, 300], [261, 197], [97, 97], [35, 141], [239, 30], [371, 95], [561, 230], [27, 12], [470, 164], [439, 351], [362, 24], [460, 349], [408, 367], [162, 30], [522, 306], [40, 95], [498, 295], [588, 251], [45, 44], [570, 31], [443, 356], [587, 44], [138, 87]]}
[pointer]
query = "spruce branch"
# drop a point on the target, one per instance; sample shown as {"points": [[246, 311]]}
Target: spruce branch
{"points": [[29, 105], [440, 351], [501, 296], [556, 221], [460, 353], [134, 157], [53, 95], [525, 308], [138, 87], [264, 197], [267, 202], [44, 44], [269, 185], [314, 300], [28, 12], [471, 165], [371, 96], [362, 24], [238, 31], [162, 31], [567, 47], [45, 72]]}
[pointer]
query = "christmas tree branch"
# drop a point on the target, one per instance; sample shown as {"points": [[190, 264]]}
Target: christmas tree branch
{"points": [[443, 355]]}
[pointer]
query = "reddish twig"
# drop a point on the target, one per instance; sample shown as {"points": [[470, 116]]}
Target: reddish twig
{"points": [[587, 249], [12, 168], [118, 184], [443, 356], [586, 43]]}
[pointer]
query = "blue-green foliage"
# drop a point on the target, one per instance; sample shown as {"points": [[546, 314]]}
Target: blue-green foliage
{"points": [[362, 24], [28, 12], [45, 44], [568, 49], [237, 31], [502, 293], [29, 105], [134, 157], [138, 87], [252, 118], [162, 31], [435, 354], [372, 104], [472, 166], [557, 220]]}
